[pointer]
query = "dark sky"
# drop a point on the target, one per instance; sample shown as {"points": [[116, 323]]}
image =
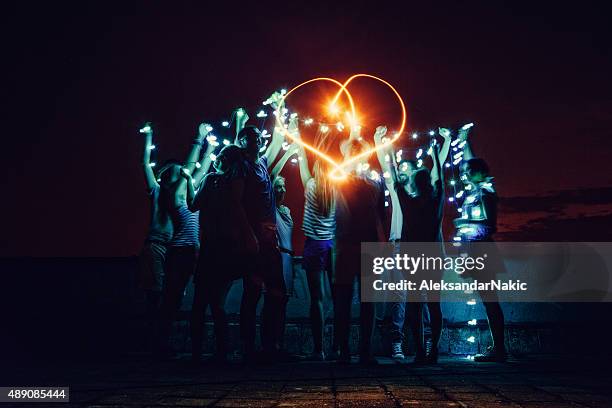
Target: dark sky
{"points": [[80, 80]]}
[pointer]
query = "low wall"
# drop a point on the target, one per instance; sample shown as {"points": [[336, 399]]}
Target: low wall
{"points": [[90, 306]]}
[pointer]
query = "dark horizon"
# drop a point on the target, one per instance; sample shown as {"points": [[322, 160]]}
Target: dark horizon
{"points": [[82, 79]]}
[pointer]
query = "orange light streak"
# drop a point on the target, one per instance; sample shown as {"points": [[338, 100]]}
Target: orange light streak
{"points": [[339, 171]]}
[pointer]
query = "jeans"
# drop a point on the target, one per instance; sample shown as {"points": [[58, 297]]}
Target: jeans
{"points": [[398, 317]]}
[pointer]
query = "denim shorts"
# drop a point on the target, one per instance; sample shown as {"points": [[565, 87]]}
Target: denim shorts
{"points": [[317, 255]]}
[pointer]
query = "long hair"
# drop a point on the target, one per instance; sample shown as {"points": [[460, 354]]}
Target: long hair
{"points": [[324, 189]]}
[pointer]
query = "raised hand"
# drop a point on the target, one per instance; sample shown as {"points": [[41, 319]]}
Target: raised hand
{"points": [[274, 100], [380, 132], [241, 116], [464, 132], [203, 130], [444, 132], [146, 129]]}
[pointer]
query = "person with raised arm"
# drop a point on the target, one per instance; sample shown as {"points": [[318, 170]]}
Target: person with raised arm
{"points": [[422, 213], [284, 222], [276, 142], [152, 258], [221, 250], [478, 224], [254, 199], [319, 225], [404, 170], [184, 247], [359, 214]]}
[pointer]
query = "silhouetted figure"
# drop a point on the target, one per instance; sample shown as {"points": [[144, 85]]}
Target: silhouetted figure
{"points": [[359, 213], [153, 256], [221, 250], [422, 213], [254, 196]]}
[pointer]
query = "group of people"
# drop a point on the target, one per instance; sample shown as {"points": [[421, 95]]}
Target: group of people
{"points": [[231, 223]]}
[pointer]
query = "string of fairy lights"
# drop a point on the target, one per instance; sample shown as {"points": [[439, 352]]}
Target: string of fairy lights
{"points": [[424, 140]]}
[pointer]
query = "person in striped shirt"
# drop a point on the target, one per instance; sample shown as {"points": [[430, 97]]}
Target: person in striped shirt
{"points": [[152, 258], [319, 226], [183, 248]]}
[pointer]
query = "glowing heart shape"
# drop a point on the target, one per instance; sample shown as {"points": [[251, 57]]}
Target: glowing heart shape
{"points": [[339, 169]]}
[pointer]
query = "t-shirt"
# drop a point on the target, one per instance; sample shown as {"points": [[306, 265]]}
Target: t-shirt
{"points": [[284, 227], [186, 227], [160, 225], [316, 225], [258, 197], [218, 222], [361, 206], [422, 216]]}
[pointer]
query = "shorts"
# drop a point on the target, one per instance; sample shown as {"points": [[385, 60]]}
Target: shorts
{"points": [[317, 255], [152, 262]]}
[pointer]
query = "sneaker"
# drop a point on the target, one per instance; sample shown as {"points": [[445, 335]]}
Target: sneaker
{"points": [[397, 352], [491, 355]]}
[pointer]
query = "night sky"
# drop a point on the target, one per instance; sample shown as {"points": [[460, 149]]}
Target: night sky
{"points": [[80, 80]]}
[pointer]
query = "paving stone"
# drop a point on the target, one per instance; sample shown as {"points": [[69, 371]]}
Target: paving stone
{"points": [[533, 383], [470, 396], [361, 396], [557, 404], [422, 396], [531, 396], [359, 388], [410, 389], [427, 404], [586, 398], [307, 396], [359, 403], [463, 388], [307, 404], [306, 388], [246, 402]]}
